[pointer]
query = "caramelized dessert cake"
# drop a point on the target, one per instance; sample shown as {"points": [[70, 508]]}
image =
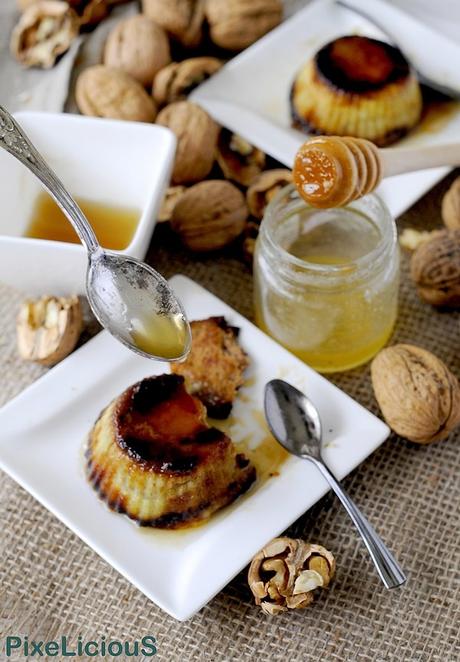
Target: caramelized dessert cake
{"points": [[214, 368], [357, 86], [152, 456]]}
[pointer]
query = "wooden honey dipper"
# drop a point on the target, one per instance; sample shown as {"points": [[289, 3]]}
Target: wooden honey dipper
{"points": [[331, 171]]}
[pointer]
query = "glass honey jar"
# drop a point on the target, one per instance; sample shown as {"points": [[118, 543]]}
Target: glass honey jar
{"points": [[326, 280]]}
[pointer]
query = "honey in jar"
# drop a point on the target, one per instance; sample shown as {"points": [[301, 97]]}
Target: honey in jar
{"points": [[326, 280], [114, 226]]}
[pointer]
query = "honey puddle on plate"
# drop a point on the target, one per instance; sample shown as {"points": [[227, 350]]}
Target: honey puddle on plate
{"points": [[114, 226]]}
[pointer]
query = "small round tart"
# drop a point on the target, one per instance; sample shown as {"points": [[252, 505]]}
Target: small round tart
{"points": [[152, 456], [357, 86]]}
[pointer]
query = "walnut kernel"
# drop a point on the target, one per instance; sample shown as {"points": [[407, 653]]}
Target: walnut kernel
{"points": [[284, 574]]}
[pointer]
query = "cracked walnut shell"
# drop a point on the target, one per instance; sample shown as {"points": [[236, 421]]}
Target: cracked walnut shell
{"points": [[264, 189], [105, 92], [239, 160], [178, 79], [236, 24], [417, 393], [435, 269], [196, 135], [451, 206], [139, 47], [182, 19], [284, 574], [209, 215], [44, 32], [89, 11], [48, 329]]}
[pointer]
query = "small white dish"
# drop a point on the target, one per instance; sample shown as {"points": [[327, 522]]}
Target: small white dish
{"points": [[121, 164], [43, 430], [250, 94]]}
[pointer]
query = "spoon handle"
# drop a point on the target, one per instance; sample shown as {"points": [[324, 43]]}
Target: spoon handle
{"points": [[389, 570], [399, 160], [14, 140]]}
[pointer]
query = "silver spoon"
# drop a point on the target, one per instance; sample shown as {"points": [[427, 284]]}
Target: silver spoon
{"points": [[295, 423], [127, 296]]}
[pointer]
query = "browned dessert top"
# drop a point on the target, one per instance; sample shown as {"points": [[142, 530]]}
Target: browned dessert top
{"points": [[360, 64], [161, 425]]}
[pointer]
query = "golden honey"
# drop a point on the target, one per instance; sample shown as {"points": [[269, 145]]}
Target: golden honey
{"points": [[160, 335], [326, 281], [114, 226]]}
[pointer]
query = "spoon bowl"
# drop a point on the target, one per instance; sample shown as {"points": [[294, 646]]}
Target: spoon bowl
{"points": [[130, 299], [293, 419]]}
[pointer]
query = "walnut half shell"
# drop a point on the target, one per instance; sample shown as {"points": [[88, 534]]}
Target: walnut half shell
{"points": [[175, 81], [264, 189], [44, 32], [435, 269], [417, 393], [48, 329], [238, 159], [284, 574]]}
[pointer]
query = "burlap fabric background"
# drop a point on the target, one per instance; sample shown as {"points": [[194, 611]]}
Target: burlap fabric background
{"points": [[52, 584]]}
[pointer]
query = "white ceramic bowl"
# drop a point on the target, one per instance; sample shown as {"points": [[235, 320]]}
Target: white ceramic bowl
{"points": [[125, 164]]}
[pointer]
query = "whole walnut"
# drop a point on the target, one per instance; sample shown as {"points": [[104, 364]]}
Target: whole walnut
{"points": [[182, 19], [236, 24], [105, 92], [451, 206], [139, 47], [417, 393], [209, 215], [435, 268], [196, 136]]}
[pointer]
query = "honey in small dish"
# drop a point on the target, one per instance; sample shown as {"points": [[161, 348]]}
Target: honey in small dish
{"points": [[114, 226]]}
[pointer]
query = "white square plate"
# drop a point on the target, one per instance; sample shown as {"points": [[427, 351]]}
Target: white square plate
{"points": [[42, 432], [250, 94]]}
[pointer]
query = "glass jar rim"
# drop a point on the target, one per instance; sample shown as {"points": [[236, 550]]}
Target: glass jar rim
{"points": [[388, 232]]}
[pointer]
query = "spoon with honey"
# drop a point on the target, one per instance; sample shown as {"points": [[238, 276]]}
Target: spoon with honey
{"points": [[129, 298], [331, 171]]}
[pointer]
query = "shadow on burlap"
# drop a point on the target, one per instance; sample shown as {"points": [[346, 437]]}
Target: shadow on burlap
{"points": [[52, 584]]}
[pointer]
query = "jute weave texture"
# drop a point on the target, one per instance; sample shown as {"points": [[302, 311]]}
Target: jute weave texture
{"points": [[52, 584]]}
